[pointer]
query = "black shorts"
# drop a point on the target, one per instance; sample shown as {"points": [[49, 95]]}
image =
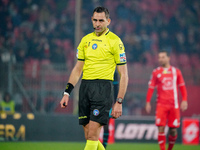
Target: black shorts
{"points": [[95, 101]]}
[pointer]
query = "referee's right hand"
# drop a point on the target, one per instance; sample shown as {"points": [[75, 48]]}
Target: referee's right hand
{"points": [[64, 101]]}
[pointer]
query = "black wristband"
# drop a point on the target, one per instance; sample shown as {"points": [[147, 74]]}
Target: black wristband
{"points": [[69, 88]]}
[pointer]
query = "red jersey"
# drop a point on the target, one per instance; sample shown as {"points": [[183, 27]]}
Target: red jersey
{"points": [[167, 80]]}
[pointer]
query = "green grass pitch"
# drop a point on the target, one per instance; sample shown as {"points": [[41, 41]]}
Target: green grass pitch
{"points": [[80, 146]]}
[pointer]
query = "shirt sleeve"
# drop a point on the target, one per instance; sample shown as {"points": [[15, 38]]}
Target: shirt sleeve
{"points": [[183, 93], [149, 94], [180, 80], [80, 51], [119, 52], [152, 82]]}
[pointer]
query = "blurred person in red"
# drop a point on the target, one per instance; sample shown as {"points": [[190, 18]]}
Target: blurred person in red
{"points": [[167, 79]]}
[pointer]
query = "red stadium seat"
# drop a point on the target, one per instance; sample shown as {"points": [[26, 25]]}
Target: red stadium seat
{"points": [[150, 59], [184, 60], [187, 75], [32, 68], [173, 59], [194, 59]]}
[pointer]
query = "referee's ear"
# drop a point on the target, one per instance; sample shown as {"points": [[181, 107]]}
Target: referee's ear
{"points": [[109, 21]]}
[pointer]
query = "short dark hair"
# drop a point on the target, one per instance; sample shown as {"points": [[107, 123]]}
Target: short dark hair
{"points": [[102, 9], [5, 95], [164, 51]]}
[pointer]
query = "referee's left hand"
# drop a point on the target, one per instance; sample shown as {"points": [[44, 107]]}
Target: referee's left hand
{"points": [[64, 101], [116, 110]]}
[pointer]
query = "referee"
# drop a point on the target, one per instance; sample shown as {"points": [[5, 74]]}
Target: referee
{"points": [[98, 55]]}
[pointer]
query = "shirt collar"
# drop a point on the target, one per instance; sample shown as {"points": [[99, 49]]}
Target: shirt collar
{"points": [[105, 33]]}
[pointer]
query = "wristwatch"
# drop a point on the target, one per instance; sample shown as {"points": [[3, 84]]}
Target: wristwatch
{"points": [[119, 100]]}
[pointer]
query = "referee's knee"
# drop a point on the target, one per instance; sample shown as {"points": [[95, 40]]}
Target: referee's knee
{"points": [[92, 135]]}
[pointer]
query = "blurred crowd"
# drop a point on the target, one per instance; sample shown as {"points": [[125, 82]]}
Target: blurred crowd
{"points": [[34, 29], [44, 30], [146, 26]]}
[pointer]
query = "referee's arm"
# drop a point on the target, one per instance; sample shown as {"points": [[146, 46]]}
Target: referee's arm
{"points": [[76, 72], [123, 83], [73, 79]]}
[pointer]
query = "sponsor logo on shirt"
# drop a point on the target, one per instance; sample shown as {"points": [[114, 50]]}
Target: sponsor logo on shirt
{"points": [[122, 57], [167, 83], [97, 40], [94, 46], [166, 72]]}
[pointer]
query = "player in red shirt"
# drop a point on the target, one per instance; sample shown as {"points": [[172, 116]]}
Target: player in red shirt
{"points": [[167, 79]]}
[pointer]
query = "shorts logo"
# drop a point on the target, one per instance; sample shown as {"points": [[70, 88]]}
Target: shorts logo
{"points": [[158, 121], [95, 112], [94, 46], [82, 117]]}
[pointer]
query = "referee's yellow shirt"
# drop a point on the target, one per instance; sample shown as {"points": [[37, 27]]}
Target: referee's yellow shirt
{"points": [[101, 54]]}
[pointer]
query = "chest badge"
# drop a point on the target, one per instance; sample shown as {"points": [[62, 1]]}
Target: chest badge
{"points": [[164, 72], [94, 46]]}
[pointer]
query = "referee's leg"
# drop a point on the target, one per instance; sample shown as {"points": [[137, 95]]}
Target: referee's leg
{"points": [[92, 131]]}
